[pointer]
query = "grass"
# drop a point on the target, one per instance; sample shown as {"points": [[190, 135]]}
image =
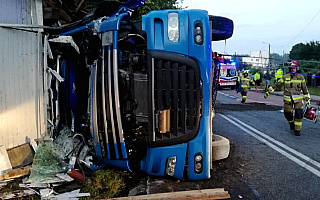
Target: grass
{"points": [[314, 91], [106, 184]]}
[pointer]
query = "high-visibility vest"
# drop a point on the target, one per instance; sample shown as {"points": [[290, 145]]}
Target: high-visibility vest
{"points": [[279, 74], [257, 76]]}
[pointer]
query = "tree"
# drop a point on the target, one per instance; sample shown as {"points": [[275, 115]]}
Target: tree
{"points": [[309, 51], [150, 5]]}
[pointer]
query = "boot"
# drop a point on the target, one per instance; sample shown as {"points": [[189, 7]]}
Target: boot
{"points": [[291, 125], [243, 100], [297, 133]]}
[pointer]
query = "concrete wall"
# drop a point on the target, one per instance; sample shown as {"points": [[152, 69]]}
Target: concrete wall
{"points": [[21, 72]]}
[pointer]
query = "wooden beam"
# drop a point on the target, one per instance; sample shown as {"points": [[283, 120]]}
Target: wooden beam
{"points": [[62, 13], [218, 193], [79, 6]]}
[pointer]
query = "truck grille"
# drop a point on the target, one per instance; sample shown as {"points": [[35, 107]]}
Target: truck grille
{"points": [[174, 85]]}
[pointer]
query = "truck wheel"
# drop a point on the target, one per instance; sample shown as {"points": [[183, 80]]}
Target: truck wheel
{"points": [[220, 147], [233, 87], [222, 28]]}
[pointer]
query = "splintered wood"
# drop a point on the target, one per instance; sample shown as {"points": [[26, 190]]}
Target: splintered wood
{"points": [[218, 193]]}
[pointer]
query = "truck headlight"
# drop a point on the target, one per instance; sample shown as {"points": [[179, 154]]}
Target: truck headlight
{"points": [[198, 32], [173, 27], [171, 165], [198, 163]]}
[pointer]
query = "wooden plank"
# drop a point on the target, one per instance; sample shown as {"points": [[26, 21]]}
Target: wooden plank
{"points": [[79, 6], [16, 173], [217, 193], [21, 155]]}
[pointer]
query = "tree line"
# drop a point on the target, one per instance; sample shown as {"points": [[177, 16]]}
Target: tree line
{"points": [[308, 51]]}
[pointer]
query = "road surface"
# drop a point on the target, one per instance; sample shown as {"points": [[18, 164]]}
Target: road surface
{"points": [[274, 163]]}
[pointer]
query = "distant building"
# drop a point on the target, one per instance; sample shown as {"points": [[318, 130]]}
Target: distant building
{"points": [[257, 59]]}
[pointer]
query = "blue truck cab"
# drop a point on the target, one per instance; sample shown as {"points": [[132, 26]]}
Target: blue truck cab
{"points": [[149, 86]]}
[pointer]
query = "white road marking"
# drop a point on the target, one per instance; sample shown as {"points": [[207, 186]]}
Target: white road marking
{"points": [[231, 96], [268, 141]]}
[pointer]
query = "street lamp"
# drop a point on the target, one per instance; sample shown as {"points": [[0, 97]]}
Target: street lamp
{"points": [[269, 63]]}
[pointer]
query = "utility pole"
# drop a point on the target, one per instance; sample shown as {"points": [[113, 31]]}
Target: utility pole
{"points": [[269, 62], [283, 59], [269, 58]]}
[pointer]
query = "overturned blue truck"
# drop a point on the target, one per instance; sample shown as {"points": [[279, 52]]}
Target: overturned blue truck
{"points": [[142, 90]]}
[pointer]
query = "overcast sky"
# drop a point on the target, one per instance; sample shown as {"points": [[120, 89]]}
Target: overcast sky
{"points": [[280, 23]]}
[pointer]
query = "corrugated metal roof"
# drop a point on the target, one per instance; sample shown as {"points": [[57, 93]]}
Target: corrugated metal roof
{"points": [[15, 11]]}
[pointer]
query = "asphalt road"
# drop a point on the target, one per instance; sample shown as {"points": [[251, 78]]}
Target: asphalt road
{"points": [[274, 163]]}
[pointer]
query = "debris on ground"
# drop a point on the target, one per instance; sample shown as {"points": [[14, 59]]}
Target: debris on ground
{"points": [[21, 155], [60, 168], [47, 162], [10, 189], [16, 173]]}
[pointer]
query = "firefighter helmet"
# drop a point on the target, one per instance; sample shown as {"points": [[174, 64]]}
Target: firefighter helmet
{"points": [[246, 72], [293, 64], [311, 114]]}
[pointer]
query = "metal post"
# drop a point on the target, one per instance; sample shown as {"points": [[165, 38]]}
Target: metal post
{"points": [[269, 58]]}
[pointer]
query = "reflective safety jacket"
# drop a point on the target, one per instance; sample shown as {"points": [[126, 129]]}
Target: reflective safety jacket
{"points": [[245, 83], [295, 88], [279, 74], [257, 76], [239, 77]]}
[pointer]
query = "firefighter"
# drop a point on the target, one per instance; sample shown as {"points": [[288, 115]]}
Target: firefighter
{"points": [[245, 85], [257, 80], [295, 89], [238, 84], [278, 76]]}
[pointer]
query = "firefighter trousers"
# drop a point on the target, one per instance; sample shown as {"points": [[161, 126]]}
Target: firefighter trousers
{"points": [[244, 95], [296, 117]]}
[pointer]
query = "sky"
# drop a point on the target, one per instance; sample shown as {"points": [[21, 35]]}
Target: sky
{"points": [[280, 23]]}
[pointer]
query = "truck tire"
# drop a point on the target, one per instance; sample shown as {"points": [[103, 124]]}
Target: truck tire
{"points": [[220, 147], [222, 28]]}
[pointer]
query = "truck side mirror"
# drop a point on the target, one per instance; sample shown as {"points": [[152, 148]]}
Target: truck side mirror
{"points": [[222, 27]]}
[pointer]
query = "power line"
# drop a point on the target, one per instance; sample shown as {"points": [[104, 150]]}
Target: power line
{"points": [[265, 58], [302, 29]]}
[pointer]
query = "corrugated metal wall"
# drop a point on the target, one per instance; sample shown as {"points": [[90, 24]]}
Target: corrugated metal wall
{"points": [[21, 72], [15, 11]]}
